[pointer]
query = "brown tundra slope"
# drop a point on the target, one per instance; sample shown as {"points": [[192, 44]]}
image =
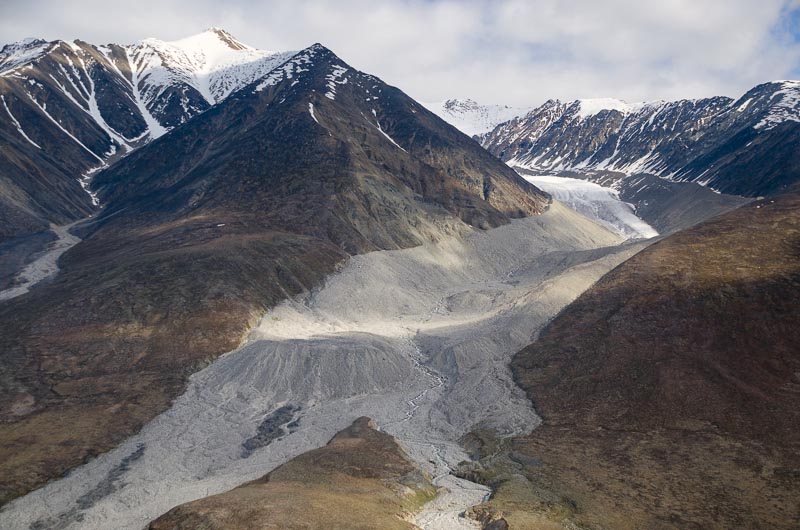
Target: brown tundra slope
{"points": [[670, 391], [361, 479], [255, 200]]}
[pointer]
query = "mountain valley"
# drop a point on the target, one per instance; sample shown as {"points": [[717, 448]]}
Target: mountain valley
{"points": [[256, 289]]}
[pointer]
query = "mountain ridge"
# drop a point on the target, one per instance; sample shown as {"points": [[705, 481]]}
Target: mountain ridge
{"points": [[88, 105], [745, 146]]}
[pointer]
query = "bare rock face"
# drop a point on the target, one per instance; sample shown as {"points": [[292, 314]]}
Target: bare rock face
{"points": [[361, 479]]}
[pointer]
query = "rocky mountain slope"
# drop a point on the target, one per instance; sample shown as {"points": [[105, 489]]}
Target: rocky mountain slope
{"points": [[374, 152], [250, 202], [669, 390], [71, 108], [671, 206], [361, 479], [472, 118], [747, 146]]}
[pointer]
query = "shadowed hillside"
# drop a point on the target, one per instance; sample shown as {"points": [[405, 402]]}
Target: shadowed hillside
{"points": [[670, 390]]}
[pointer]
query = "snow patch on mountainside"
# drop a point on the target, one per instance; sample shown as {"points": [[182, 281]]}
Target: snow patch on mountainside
{"points": [[16, 124], [43, 108], [311, 111], [21, 53], [336, 77], [297, 64], [378, 125], [591, 107], [88, 88]]}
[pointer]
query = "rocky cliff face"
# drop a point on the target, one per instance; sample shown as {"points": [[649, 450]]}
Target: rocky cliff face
{"points": [[744, 147]]}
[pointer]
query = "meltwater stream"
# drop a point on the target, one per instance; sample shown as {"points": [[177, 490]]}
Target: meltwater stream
{"points": [[417, 339], [44, 266]]}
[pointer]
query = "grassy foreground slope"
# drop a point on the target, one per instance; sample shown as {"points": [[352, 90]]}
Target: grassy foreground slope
{"points": [[361, 480]]}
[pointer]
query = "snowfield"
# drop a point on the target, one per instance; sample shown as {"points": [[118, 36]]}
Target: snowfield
{"points": [[417, 339], [595, 202]]}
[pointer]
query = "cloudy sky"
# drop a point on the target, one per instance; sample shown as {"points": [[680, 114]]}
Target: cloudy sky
{"points": [[518, 52]]}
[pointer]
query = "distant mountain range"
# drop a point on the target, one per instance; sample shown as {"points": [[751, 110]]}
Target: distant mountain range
{"points": [[749, 146]]}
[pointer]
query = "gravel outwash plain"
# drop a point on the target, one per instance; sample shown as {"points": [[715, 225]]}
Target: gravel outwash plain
{"points": [[419, 340]]}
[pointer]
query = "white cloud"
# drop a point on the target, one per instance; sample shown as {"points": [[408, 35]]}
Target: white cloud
{"points": [[504, 51]]}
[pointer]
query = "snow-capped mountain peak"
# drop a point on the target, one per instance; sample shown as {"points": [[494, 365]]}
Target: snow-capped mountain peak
{"points": [[227, 38], [20, 53], [593, 106], [785, 104], [473, 118], [212, 62]]}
